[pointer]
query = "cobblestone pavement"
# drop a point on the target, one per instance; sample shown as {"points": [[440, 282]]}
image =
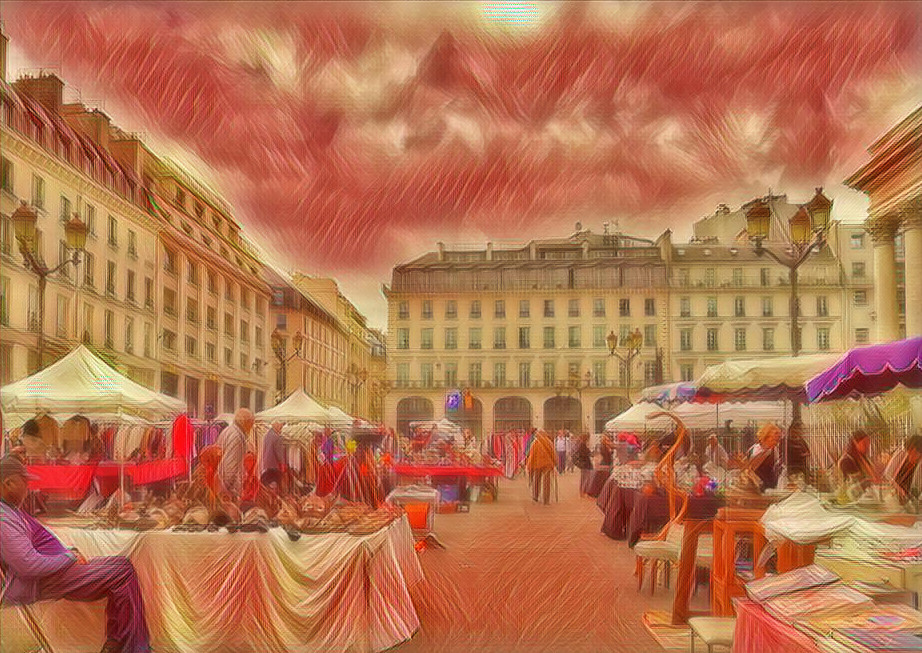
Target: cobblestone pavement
{"points": [[521, 576]]}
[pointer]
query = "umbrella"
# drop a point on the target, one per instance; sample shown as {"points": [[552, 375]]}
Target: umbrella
{"points": [[870, 371]]}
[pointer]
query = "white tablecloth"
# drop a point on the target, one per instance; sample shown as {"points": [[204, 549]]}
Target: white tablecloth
{"points": [[252, 592]]}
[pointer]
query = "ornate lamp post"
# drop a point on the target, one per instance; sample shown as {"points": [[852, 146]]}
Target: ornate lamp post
{"points": [[626, 349], [356, 378], [25, 220], [277, 340]]}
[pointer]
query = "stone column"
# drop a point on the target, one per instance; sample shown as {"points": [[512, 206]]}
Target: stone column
{"points": [[912, 240], [883, 230]]}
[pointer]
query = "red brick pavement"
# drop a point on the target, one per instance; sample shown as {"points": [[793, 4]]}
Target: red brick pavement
{"points": [[520, 576]]}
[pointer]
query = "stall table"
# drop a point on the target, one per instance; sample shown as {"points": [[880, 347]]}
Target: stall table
{"points": [[72, 482], [251, 591], [449, 474], [757, 630]]}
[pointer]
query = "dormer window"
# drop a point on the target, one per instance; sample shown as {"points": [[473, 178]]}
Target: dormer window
{"points": [[181, 197], [199, 210]]}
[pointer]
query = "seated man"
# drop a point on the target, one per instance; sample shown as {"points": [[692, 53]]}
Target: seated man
{"points": [[38, 568]]}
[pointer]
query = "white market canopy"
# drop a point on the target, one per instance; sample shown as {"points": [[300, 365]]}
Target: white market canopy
{"points": [[339, 417], [298, 407], [82, 383], [697, 416], [769, 379]]}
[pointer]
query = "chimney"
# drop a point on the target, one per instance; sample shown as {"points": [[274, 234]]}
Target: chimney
{"points": [[46, 89], [93, 124], [489, 251], [441, 247], [4, 42]]}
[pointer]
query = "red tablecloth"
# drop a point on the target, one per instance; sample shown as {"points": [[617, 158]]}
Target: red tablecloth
{"points": [[756, 631], [158, 470], [447, 470], [67, 481]]}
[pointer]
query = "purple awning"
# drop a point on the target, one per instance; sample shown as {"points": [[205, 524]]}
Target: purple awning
{"points": [[869, 371]]}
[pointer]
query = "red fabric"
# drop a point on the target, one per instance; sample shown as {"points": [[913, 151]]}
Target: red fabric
{"points": [[756, 630], [158, 470], [446, 470], [250, 482], [183, 437], [66, 481]]}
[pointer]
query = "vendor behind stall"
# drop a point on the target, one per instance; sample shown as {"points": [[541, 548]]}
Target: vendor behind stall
{"points": [[903, 471], [855, 463], [763, 459]]}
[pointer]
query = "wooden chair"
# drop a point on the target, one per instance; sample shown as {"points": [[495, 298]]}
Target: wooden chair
{"points": [[713, 631], [29, 616]]}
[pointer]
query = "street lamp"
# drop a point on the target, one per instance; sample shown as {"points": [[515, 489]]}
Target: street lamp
{"points": [[626, 349], [277, 340], [25, 220]]}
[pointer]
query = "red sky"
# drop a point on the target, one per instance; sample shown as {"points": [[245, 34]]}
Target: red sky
{"points": [[352, 137]]}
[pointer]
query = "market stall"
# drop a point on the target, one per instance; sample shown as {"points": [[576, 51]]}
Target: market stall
{"points": [[868, 371], [323, 592]]}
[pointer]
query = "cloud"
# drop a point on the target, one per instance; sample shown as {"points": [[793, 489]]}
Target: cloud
{"points": [[337, 130]]}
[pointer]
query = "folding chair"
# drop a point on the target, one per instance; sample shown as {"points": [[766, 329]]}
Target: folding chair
{"points": [[29, 617]]}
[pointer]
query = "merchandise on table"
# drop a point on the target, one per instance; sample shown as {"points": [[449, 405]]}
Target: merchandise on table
{"points": [[803, 602], [803, 578]]}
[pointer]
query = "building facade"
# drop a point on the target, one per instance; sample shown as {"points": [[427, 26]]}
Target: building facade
{"points": [[522, 333], [892, 179]]}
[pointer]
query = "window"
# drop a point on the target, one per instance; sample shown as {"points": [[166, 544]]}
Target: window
{"points": [[113, 231], [427, 309], [598, 373], [425, 340], [258, 333], [191, 345], [110, 329], [862, 336], [63, 255], [89, 323], [132, 244], [61, 317], [451, 338], [525, 375], [65, 208], [181, 197], [451, 309], [403, 338], [524, 338], [211, 318], [129, 335], [499, 374], [598, 307], [712, 307], [212, 283], [228, 357], [148, 292], [229, 291], [548, 308], [649, 335], [38, 192], [710, 277], [148, 339], [549, 370], [244, 363], [110, 278], [199, 210], [228, 324], [129, 287], [574, 337], [822, 306], [739, 307], [649, 372], [739, 339], [499, 337], [403, 375], [857, 241], [765, 276], [685, 339], [768, 339], [192, 273], [684, 307], [649, 307], [475, 309], [767, 307], [598, 335], [624, 307], [684, 276], [169, 260], [549, 337], [573, 308], [861, 298], [425, 375], [499, 308], [210, 352], [822, 338], [451, 375], [858, 270], [737, 277], [4, 301], [474, 338], [6, 174], [403, 311], [475, 375], [6, 235], [687, 371], [244, 331], [712, 340], [524, 308]]}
